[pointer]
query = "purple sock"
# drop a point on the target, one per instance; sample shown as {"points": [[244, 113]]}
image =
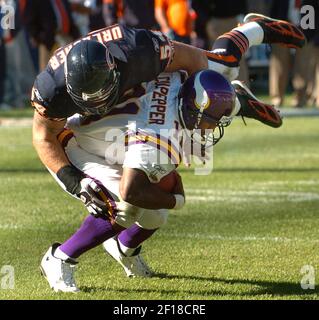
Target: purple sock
{"points": [[134, 236], [92, 232]]}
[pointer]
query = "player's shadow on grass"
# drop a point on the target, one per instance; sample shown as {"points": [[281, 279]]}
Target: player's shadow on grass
{"points": [[260, 287], [265, 287]]}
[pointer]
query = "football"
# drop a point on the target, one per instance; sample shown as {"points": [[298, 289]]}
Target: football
{"points": [[168, 182]]}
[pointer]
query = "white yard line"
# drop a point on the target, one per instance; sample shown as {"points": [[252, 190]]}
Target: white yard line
{"points": [[261, 196], [9, 227], [283, 183], [237, 238]]}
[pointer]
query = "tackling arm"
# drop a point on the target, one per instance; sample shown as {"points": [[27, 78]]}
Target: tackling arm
{"points": [[225, 55], [45, 141], [136, 189], [52, 155], [188, 58]]}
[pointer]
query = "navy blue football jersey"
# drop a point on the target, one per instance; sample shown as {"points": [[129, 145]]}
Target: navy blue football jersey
{"points": [[141, 55]]}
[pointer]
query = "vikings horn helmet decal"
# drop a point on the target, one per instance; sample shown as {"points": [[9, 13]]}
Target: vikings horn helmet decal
{"points": [[206, 96]]}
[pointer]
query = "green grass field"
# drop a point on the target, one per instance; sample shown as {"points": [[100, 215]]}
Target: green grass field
{"points": [[246, 232]]}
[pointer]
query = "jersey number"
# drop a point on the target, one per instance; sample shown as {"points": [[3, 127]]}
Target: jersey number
{"points": [[166, 52]]}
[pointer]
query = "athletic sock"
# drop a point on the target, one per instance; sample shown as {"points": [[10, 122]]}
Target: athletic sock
{"points": [[253, 32], [58, 253], [229, 48], [92, 232], [132, 238], [128, 252]]}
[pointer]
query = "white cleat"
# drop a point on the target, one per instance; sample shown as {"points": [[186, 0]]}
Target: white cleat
{"points": [[59, 273], [134, 266]]}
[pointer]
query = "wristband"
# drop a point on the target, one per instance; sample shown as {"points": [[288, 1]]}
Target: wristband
{"points": [[180, 201], [71, 178]]}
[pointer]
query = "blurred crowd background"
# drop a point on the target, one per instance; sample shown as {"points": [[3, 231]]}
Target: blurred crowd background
{"points": [[41, 26]]}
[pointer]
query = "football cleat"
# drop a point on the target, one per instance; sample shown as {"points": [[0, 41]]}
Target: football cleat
{"points": [[253, 108], [59, 273], [278, 31], [134, 266]]}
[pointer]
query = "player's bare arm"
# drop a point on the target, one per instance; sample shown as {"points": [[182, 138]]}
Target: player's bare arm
{"points": [[45, 141], [188, 58], [52, 155], [136, 189]]}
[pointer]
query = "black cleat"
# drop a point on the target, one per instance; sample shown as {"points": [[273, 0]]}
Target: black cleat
{"points": [[253, 108], [278, 31]]}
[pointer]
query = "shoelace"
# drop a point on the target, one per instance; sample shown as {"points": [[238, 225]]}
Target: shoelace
{"points": [[67, 274]]}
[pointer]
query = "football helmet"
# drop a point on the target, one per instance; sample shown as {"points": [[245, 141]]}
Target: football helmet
{"points": [[206, 100], [92, 80]]}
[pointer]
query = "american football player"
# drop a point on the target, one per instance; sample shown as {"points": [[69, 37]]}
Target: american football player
{"points": [[50, 119], [96, 72], [124, 182]]}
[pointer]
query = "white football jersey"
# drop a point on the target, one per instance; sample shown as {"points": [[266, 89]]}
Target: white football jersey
{"points": [[139, 133]]}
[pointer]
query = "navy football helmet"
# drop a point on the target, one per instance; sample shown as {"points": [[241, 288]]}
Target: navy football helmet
{"points": [[206, 100], [91, 77]]}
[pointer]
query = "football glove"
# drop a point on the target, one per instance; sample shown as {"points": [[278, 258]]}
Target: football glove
{"points": [[89, 195], [85, 189]]}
